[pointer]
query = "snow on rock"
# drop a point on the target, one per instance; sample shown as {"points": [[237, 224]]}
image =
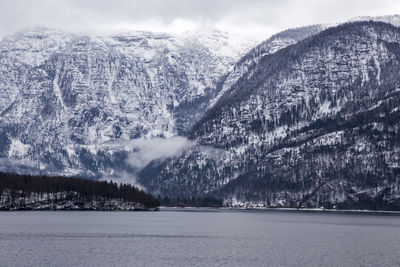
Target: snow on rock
{"points": [[66, 98], [17, 149], [314, 124]]}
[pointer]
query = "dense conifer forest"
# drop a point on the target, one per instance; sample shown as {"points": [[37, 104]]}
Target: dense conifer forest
{"points": [[86, 190]]}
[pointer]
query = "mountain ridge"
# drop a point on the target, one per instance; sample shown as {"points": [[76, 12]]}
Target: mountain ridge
{"points": [[288, 108], [67, 100], [85, 105]]}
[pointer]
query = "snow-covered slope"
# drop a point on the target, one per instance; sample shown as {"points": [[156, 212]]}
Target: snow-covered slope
{"points": [[270, 46], [315, 123], [69, 103], [72, 104]]}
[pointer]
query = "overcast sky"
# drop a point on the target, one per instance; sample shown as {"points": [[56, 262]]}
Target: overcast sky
{"points": [[264, 16]]}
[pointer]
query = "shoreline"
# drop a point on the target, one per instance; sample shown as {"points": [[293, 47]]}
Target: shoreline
{"points": [[305, 210], [221, 209]]}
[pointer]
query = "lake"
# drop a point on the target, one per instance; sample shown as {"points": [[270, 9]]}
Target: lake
{"points": [[198, 237]]}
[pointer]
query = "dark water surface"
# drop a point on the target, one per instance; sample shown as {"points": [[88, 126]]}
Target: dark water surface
{"points": [[198, 238]]}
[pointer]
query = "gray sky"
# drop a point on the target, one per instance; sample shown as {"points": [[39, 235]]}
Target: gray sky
{"points": [[263, 16]]}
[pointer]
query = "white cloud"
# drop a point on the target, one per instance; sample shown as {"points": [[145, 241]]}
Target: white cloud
{"points": [[268, 16], [146, 150], [143, 151]]}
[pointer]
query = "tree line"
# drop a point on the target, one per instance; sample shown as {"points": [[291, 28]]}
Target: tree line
{"points": [[87, 189], [207, 201]]}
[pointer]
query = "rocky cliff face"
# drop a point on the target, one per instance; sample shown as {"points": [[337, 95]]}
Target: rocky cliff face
{"points": [[70, 104], [270, 46], [308, 117], [313, 124]]}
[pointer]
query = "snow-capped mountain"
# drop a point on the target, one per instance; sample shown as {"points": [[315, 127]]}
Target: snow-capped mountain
{"points": [[70, 103], [315, 123], [307, 117], [270, 46]]}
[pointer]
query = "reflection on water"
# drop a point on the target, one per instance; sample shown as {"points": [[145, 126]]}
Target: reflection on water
{"points": [[198, 238]]}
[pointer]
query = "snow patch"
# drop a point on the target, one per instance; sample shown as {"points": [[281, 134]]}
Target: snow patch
{"points": [[18, 149]]}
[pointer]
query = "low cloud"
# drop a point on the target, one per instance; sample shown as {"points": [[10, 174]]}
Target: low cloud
{"points": [[261, 16], [19, 162], [143, 151], [146, 150], [125, 178], [4, 163]]}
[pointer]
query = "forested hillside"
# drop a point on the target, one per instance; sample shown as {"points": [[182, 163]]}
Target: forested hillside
{"points": [[314, 124], [25, 192]]}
